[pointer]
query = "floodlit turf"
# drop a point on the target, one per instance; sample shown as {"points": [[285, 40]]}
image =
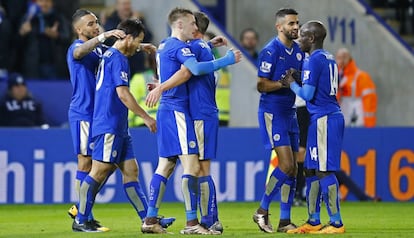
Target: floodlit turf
{"points": [[362, 219]]}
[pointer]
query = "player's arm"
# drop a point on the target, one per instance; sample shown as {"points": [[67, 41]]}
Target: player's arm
{"points": [[129, 101], [199, 68], [306, 91], [179, 77], [91, 44], [265, 85]]}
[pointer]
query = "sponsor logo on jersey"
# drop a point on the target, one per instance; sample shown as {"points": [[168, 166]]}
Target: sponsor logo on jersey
{"points": [[265, 67], [186, 52]]}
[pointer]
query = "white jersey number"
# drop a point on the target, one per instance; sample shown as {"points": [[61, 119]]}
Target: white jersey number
{"points": [[333, 75], [100, 75]]}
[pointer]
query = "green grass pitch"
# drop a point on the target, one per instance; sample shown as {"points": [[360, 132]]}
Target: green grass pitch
{"points": [[361, 219]]}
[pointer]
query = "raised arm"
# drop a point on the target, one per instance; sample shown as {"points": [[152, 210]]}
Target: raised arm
{"points": [[91, 44]]}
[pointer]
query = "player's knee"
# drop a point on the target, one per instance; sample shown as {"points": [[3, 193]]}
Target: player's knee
{"points": [[323, 174], [84, 163], [165, 167]]}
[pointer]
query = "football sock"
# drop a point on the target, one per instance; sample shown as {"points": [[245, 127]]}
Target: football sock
{"points": [[329, 187], [277, 178], [189, 185], [207, 201], [88, 191], [287, 193], [313, 200], [80, 176], [137, 198], [156, 193]]}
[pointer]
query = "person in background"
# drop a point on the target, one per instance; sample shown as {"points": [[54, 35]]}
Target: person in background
{"points": [[5, 43], [123, 10], [18, 108], [46, 36], [357, 95], [249, 38]]}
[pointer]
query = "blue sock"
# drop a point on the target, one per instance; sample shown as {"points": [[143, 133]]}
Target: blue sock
{"points": [[80, 176], [277, 178], [313, 200], [287, 193], [207, 201], [329, 188], [189, 185], [88, 191], [137, 198], [156, 193]]}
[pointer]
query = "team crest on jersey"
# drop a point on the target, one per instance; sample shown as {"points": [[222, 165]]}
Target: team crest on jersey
{"points": [[192, 144], [299, 56], [265, 67], [124, 76], [186, 52], [306, 74], [276, 137]]}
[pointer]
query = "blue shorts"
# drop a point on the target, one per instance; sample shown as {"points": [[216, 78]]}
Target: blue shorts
{"points": [[175, 134], [114, 149], [279, 130], [324, 143], [206, 132], [82, 137]]}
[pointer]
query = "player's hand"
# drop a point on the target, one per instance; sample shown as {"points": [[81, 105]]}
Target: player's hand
{"points": [[296, 74], [218, 41], [148, 48], [153, 97], [236, 55], [119, 34], [150, 123]]}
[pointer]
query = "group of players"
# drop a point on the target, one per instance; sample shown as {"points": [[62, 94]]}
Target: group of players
{"points": [[187, 119]]}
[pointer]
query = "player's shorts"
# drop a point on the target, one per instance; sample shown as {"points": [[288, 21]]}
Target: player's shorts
{"points": [[175, 134], [114, 149], [206, 133], [279, 130], [82, 137], [303, 121], [324, 145]]}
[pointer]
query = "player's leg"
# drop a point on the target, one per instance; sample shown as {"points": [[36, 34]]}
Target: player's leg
{"points": [[330, 132], [158, 185], [207, 133], [189, 184], [89, 188]]}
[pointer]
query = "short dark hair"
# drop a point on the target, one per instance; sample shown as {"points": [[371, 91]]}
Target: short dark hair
{"points": [[177, 13], [285, 11], [132, 27], [80, 13], [249, 30], [202, 21]]}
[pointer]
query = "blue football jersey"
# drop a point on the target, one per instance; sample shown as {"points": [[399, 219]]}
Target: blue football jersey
{"points": [[320, 70], [202, 89], [274, 59], [110, 114], [170, 55], [82, 76]]}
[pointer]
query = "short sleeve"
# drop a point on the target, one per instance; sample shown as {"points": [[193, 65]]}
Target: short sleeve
{"points": [[267, 63]]}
